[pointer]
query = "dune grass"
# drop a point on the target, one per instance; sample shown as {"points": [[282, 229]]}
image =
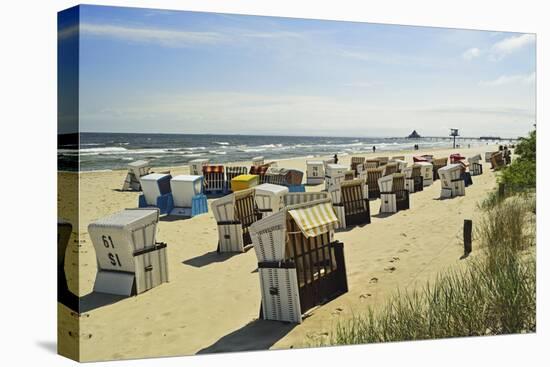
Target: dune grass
{"points": [[494, 294]]}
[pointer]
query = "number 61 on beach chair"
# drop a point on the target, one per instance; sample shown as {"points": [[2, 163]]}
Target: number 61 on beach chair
{"points": [[129, 260]]}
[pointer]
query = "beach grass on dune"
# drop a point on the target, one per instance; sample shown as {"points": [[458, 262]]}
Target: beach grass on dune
{"points": [[495, 294]]}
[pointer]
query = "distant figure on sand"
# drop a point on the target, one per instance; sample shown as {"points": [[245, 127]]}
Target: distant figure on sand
{"points": [[374, 149], [335, 158]]}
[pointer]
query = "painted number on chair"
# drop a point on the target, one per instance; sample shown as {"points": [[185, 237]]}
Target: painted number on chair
{"points": [[113, 258]]}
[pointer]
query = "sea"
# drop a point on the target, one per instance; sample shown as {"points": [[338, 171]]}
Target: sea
{"points": [[110, 151]]}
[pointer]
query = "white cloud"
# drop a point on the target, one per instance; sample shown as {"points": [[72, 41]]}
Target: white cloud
{"points": [[510, 79], [471, 53], [510, 45], [169, 38]]}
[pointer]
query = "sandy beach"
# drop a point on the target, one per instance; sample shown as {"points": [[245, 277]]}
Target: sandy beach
{"points": [[212, 301]]}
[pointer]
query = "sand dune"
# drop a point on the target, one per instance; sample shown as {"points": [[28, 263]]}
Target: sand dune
{"points": [[212, 301]]}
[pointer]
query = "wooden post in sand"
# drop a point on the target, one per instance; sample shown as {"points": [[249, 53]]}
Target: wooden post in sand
{"points": [[467, 236], [501, 190]]}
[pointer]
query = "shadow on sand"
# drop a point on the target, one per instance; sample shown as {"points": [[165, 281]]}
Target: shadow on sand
{"points": [[257, 335], [94, 300], [209, 258]]}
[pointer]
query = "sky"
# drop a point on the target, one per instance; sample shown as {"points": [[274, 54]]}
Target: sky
{"points": [[158, 71]]}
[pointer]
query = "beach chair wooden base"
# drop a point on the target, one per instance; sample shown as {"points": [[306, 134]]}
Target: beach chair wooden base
{"points": [[232, 238], [151, 271], [388, 203], [427, 182], [467, 177], [315, 181], [457, 189]]}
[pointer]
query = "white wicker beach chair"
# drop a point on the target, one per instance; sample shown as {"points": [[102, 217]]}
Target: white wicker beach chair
{"points": [[426, 169], [270, 198], [315, 172], [351, 203], [452, 184], [234, 213], [136, 170], [299, 264], [196, 166], [334, 174], [129, 259], [393, 196]]}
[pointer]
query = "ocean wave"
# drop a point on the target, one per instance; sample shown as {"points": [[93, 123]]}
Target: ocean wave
{"points": [[103, 150], [221, 142]]}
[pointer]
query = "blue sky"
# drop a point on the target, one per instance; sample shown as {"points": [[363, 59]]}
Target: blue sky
{"points": [[145, 70]]}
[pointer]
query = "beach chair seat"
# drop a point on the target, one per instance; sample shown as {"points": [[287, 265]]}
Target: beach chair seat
{"points": [[452, 181], [414, 181], [295, 198], [426, 170], [234, 213], [243, 182], [393, 195], [157, 192], [355, 162], [315, 172], [371, 163], [129, 259], [136, 170], [382, 161], [188, 199], [270, 198], [334, 174], [300, 266], [398, 158], [371, 177], [291, 178], [214, 182], [233, 171], [196, 166], [351, 203], [437, 164], [389, 169]]}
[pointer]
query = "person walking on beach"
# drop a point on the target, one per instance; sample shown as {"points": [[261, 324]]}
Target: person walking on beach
{"points": [[335, 158], [374, 148]]}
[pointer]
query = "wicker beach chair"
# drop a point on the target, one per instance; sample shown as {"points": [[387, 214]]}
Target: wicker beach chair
{"points": [[270, 198], [437, 164], [426, 170], [390, 168], [371, 163], [398, 158], [351, 203], [372, 175], [393, 196], [475, 165], [334, 174], [234, 213], [382, 160], [129, 259], [355, 162], [136, 170], [414, 181], [299, 264], [196, 166], [315, 172], [214, 179], [452, 181]]}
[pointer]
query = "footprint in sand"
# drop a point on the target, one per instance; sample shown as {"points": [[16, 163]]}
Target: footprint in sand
{"points": [[373, 280], [390, 269], [394, 259], [365, 295], [403, 250], [337, 311], [403, 234]]}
